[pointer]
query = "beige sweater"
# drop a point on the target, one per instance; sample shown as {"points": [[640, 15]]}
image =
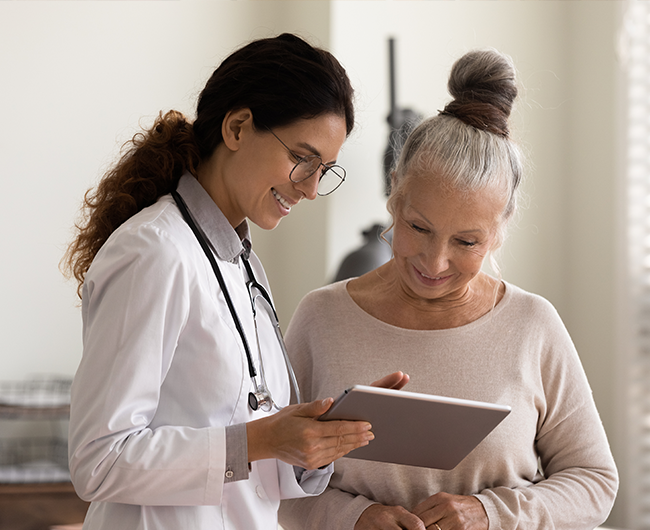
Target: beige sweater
{"points": [[521, 355]]}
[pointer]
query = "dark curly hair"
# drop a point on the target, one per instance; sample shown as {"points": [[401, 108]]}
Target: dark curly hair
{"points": [[280, 79]]}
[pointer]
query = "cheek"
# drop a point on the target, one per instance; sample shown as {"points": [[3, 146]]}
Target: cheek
{"points": [[472, 262], [404, 242]]}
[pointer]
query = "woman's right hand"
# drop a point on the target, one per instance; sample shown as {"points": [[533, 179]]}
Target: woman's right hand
{"points": [[295, 436], [396, 381], [380, 517]]}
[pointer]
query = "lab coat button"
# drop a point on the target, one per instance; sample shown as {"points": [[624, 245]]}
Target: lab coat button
{"points": [[260, 492]]}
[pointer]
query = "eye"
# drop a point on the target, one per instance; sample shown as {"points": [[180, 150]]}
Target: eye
{"points": [[466, 243], [418, 228], [296, 158]]}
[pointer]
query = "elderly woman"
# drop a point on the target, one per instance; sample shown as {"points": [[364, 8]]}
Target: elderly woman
{"points": [[433, 313]]}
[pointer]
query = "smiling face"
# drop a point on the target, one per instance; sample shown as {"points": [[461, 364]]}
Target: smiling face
{"points": [[248, 176], [442, 236]]}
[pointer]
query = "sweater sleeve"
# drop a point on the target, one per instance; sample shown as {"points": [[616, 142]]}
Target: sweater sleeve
{"points": [[333, 509], [578, 475], [579, 484]]}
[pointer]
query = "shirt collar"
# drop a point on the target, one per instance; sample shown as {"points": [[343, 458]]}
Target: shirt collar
{"points": [[227, 242]]}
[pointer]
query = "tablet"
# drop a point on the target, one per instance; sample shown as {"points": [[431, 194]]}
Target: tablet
{"points": [[416, 429]]}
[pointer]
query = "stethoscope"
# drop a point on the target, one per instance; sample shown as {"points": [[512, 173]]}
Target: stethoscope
{"points": [[260, 398]]}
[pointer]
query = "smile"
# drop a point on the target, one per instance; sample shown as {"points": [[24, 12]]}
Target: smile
{"points": [[432, 280], [431, 277], [281, 200]]}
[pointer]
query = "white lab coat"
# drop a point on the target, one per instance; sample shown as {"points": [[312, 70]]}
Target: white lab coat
{"points": [[164, 372]]}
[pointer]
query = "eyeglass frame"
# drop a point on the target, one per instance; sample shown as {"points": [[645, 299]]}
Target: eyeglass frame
{"points": [[313, 156]]}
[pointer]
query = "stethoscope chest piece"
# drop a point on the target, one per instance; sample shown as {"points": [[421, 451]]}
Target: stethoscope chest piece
{"points": [[260, 400]]}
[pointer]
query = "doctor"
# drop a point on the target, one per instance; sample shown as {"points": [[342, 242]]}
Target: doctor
{"points": [[179, 415]]}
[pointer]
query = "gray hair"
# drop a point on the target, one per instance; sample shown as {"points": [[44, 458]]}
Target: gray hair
{"points": [[468, 145]]}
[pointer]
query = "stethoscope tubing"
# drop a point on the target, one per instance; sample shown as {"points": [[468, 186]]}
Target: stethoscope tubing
{"points": [[265, 296]]}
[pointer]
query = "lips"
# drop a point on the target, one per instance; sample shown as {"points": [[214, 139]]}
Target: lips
{"points": [[431, 280]]}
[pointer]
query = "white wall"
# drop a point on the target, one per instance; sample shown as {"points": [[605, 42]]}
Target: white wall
{"points": [[77, 77]]}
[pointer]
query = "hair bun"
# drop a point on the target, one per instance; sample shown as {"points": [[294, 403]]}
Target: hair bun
{"points": [[484, 88]]}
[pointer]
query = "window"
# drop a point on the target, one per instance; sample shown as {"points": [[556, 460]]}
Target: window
{"points": [[636, 60]]}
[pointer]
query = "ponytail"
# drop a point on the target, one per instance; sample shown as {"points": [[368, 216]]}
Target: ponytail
{"points": [[151, 166]]}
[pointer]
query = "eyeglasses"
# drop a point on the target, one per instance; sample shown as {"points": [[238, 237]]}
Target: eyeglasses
{"points": [[330, 178]]}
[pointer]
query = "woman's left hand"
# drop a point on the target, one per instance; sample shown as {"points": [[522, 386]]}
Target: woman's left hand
{"points": [[452, 512]]}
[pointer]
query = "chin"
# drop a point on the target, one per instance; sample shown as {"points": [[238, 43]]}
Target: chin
{"points": [[267, 224]]}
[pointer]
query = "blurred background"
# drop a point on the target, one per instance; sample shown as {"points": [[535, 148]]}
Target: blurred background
{"points": [[78, 78]]}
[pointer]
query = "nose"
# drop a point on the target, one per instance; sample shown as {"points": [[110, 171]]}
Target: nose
{"points": [[437, 259], [308, 187]]}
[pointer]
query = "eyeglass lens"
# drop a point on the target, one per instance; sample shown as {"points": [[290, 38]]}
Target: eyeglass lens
{"points": [[330, 178]]}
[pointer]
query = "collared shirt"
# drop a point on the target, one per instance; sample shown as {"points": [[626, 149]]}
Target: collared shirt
{"points": [[227, 243], [160, 399]]}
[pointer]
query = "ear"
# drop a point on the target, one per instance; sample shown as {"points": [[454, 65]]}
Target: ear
{"points": [[392, 179], [236, 124]]}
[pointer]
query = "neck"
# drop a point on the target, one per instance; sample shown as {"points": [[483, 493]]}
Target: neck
{"points": [[455, 309], [211, 175]]}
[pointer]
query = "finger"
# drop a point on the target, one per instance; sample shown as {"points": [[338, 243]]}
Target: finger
{"points": [[410, 522], [402, 383], [345, 444], [338, 428], [315, 408], [332, 448], [433, 509], [339, 451], [336, 441], [396, 381], [328, 454], [426, 505], [378, 516]]}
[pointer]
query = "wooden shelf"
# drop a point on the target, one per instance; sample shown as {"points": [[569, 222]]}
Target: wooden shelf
{"points": [[39, 506], [9, 412]]}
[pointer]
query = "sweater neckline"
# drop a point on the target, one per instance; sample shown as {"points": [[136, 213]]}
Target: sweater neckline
{"points": [[493, 313]]}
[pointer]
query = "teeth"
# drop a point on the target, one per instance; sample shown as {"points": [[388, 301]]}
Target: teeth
{"points": [[432, 277], [281, 200]]}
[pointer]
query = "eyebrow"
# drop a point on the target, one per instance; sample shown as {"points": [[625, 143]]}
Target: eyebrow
{"points": [[315, 151], [470, 231]]}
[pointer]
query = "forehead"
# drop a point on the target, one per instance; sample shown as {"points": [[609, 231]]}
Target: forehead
{"points": [[323, 135], [439, 203]]}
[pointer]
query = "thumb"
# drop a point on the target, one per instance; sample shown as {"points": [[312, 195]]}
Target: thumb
{"points": [[316, 408]]}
